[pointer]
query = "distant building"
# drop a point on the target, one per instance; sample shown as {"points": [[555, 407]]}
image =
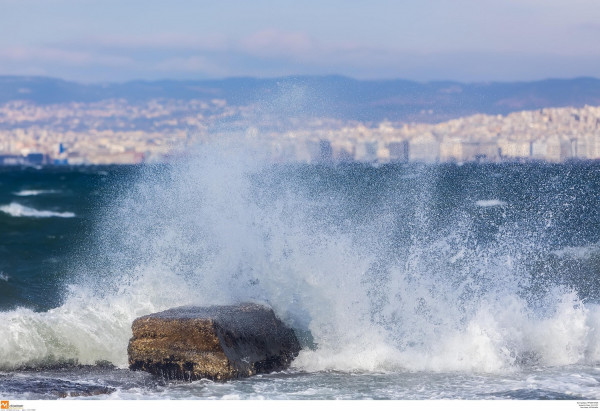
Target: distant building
{"points": [[480, 151], [35, 158], [31, 159], [557, 149], [345, 156], [11, 160], [398, 151], [366, 151], [320, 151], [595, 146], [343, 151], [454, 149], [424, 148], [574, 151], [325, 151], [451, 149], [538, 149], [510, 149]]}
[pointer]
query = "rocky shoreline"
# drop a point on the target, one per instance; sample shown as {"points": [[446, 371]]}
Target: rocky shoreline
{"points": [[218, 342]]}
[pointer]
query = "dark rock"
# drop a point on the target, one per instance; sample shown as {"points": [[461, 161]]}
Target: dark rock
{"points": [[218, 342], [40, 387]]}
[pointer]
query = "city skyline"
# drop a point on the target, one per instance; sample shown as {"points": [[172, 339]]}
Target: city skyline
{"points": [[464, 40], [116, 132]]}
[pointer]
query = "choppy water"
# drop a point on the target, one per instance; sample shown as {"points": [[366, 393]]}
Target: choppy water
{"points": [[414, 282]]}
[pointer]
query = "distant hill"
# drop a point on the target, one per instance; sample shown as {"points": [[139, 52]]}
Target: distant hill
{"points": [[325, 96]]}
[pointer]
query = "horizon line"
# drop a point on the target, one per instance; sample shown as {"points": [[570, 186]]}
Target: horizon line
{"points": [[292, 77]]}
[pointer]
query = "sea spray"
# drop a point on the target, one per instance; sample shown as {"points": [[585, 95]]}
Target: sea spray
{"points": [[385, 273]]}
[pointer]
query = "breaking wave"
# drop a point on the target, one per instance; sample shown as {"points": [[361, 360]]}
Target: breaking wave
{"points": [[19, 210], [490, 203], [27, 193], [370, 267]]}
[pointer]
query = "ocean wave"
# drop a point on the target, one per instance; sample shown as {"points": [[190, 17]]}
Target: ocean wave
{"points": [[490, 203], [27, 193], [19, 210], [213, 231], [497, 340], [4, 277], [582, 253], [85, 329], [74, 332], [500, 337]]}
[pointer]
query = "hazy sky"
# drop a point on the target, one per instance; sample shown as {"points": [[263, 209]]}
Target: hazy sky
{"points": [[465, 40]]}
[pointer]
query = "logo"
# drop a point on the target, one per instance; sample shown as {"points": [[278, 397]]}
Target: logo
{"points": [[4, 405]]}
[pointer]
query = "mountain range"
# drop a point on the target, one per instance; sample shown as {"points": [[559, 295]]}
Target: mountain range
{"points": [[324, 96]]}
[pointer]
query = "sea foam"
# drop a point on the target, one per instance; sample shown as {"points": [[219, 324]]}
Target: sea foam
{"points": [[226, 227], [490, 203], [19, 210], [27, 193]]}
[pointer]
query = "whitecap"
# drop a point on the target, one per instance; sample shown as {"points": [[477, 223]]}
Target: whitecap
{"points": [[27, 193], [490, 203], [19, 210], [584, 252]]}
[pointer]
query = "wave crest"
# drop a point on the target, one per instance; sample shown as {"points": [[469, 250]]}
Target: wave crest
{"points": [[490, 203], [19, 210], [376, 284], [27, 193]]}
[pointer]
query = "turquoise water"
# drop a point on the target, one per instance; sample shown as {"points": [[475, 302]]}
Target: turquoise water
{"points": [[45, 218], [414, 281]]}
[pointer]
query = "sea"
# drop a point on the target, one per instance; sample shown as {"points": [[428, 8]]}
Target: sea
{"points": [[402, 281]]}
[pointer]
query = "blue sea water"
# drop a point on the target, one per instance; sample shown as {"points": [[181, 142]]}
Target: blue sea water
{"points": [[475, 281]]}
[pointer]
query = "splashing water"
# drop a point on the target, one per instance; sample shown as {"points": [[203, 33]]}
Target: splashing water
{"points": [[385, 273]]}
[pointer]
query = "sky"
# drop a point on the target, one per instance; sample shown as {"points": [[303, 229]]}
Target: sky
{"points": [[95, 41]]}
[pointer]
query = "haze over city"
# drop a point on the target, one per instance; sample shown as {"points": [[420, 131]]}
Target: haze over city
{"points": [[105, 82]]}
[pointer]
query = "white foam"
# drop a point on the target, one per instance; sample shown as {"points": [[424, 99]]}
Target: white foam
{"points": [[27, 193], [490, 203], [578, 252], [4, 277], [19, 210], [86, 328], [209, 233], [494, 341]]}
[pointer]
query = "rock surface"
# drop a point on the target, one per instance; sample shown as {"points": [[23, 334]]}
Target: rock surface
{"points": [[218, 342]]}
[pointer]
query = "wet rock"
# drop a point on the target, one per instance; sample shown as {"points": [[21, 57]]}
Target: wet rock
{"points": [[218, 342], [39, 387]]}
